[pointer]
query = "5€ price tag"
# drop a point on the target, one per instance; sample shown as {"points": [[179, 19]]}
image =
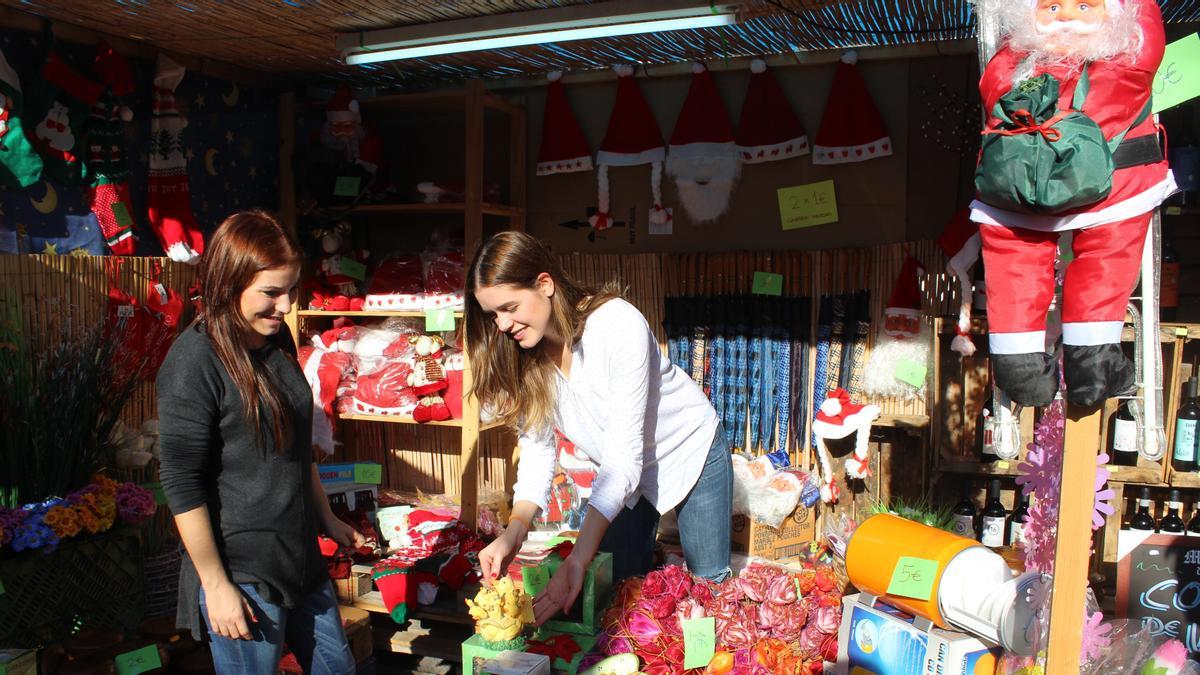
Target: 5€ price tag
{"points": [[368, 473], [437, 320], [913, 578], [766, 283], [910, 372], [699, 641], [535, 579], [139, 661]]}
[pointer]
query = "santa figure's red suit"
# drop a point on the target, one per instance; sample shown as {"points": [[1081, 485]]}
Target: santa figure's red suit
{"points": [[1019, 248]]}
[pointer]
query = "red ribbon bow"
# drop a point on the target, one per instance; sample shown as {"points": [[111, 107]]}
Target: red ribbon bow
{"points": [[1026, 124]]}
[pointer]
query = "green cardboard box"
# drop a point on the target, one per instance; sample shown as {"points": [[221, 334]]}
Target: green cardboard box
{"points": [[474, 652], [584, 617]]}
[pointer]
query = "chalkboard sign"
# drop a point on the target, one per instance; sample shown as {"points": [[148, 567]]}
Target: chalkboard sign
{"points": [[1158, 584]]}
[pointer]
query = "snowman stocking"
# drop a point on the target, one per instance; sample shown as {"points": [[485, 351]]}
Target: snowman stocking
{"points": [[109, 192], [168, 196], [20, 165]]}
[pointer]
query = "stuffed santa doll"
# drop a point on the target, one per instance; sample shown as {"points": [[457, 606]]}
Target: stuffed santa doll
{"points": [[1118, 45]]}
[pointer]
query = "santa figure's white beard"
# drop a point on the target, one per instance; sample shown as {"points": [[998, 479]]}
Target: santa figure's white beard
{"points": [[705, 184], [349, 144], [1069, 43], [879, 376]]}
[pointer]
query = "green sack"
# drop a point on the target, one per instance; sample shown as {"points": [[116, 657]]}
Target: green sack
{"points": [[1042, 160]]}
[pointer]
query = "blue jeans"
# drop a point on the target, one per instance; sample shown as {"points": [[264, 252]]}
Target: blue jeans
{"points": [[313, 631], [704, 521]]}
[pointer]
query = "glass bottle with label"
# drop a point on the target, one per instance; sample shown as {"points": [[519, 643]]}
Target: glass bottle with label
{"points": [[1168, 276], [964, 518], [991, 523], [1193, 526], [985, 429], [1143, 520], [1016, 525], [1183, 456], [1171, 523], [1122, 437]]}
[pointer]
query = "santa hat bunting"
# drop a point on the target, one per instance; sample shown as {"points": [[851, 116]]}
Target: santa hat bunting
{"points": [[903, 310], [768, 129], [702, 157], [632, 139], [961, 244], [342, 106], [851, 130], [838, 417], [564, 148]]}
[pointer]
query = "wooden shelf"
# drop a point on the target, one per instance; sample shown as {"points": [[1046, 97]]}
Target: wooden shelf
{"points": [[902, 421], [396, 419], [999, 468], [1142, 475], [1191, 479], [371, 602], [489, 209], [375, 312]]}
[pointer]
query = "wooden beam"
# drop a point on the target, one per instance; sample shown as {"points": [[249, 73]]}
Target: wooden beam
{"points": [[472, 239], [287, 148], [516, 169], [1073, 548]]}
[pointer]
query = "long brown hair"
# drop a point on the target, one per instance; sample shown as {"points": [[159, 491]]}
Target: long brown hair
{"points": [[245, 244], [519, 385]]}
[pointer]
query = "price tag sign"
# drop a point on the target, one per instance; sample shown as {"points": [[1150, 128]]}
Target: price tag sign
{"points": [[910, 372], [437, 320], [807, 205], [1178, 77], [138, 661], [352, 268], [121, 213], [1180, 331], [1174, 211], [368, 473], [346, 186], [913, 578], [766, 283], [535, 579], [699, 641]]}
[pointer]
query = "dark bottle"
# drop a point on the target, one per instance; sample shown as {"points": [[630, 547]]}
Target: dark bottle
{"points": [[1143, 520], [1193, 528], [1171, 522], [964, 518], [1183, 456], [985, 432], [1122, 437], [1168, 276], [1016, 529], [991, 523]]}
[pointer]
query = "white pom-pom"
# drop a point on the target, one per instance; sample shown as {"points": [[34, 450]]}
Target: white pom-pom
{"points": [[831, 406], [850, 57], [353, 106], [698, 68], [758, 66], [554, 75], [623, 70], [963, 345], [125, 113]]}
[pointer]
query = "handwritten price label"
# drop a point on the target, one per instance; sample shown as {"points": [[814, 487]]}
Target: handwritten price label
{"points": [[807, 205], [535, 579], [913, 578], [699, 641], [346, 186], [352, 268], [766, 283], [437, 320], [368, 473], [139, 661], [1178, 78], [910, 372]]}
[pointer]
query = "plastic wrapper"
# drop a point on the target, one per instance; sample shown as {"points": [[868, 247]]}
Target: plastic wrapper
{"points": [[1133, 650], [444, 280], [766, 494], [398, 284], [374, 345]]}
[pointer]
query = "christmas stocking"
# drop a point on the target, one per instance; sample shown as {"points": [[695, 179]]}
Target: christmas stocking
{"points": [[399, 592], [64, 99], [109, 194], [168, 196], [20, 165]]}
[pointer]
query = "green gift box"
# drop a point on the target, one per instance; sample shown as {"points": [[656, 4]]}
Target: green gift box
{"points": [[585, 615], [475, 651], [585, 643]]}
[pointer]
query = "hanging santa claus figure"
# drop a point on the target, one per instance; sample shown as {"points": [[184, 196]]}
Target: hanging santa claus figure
{"points": [[1069, 144], [900, 356], [344, 131]]}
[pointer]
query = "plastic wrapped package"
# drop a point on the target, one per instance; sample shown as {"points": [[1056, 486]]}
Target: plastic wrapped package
{"points": [[444, 280], [764, 493], [371, 345], [385, 390], [397, 285], [325, 371]]}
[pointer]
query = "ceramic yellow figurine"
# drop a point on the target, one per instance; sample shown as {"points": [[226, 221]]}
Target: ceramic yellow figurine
{"points": [[501, 612]]}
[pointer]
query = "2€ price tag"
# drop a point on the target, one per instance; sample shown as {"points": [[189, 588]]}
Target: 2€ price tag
{"points": [[139, 661], [535, 579], [437, 320], [913, 578], [368, 473], [910, 372], [766, 283], [346, 186], [699, 641]]}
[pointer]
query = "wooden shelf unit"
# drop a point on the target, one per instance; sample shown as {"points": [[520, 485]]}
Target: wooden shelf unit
{"points": [[473, 101]]}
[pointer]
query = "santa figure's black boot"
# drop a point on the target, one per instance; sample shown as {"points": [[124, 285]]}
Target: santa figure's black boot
{"points": [[1096, 372], [1028, 379]]}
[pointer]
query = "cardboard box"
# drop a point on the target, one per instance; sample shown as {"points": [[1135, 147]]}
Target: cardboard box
{"points": [[882, 640], [365, 473], [517, 663], [794, 535], [354, 586], [357, 623], [584, 617], [18, 662], [475, 652]]}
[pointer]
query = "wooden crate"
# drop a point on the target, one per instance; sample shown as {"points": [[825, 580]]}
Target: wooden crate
{"points": [[357, 623]]}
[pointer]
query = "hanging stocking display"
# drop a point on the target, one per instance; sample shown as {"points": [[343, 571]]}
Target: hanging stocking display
{"points": [[20, 165], [164, 309], [168, 196], [64, 98], [109, 194]]}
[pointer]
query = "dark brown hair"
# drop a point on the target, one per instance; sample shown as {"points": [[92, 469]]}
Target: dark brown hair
{"points": [[245, 244], [519, 385]]}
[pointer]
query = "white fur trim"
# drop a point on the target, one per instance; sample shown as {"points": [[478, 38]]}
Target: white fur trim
{"points": [[656, 171], [571, 165], [623, 70], [647, 156], [554, 75], [758, 66], [705, 201], [903, 311], [1017, 343], [698, 68], [757, 154], [341, 116], [1134, 206], [831, 406], [1090, 333], [181, 252], [880, 147], [828, 489], [850, 57], [602, 193]]}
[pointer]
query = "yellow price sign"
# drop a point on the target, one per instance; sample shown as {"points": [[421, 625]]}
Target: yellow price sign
{"points": [[807, 205]]}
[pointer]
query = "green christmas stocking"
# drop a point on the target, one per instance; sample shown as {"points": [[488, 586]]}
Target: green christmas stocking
{"points": [[20, 165]]}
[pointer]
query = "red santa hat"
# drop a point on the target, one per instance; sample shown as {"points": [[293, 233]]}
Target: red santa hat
{"points": [[342, 107], [838, 417], [852, 129], [768, 129], [961, 244], [702, 157], [902, 313], [564, 148], [632, 139]]}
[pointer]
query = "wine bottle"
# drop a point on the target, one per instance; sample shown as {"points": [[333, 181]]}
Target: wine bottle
{"points": [[1122, 437], [1168, 275], [985, 432], [964, 518], [991, 524], [1193, 526], [1171, 522], [1016, 524], [1143, 520], [1183, 457]]}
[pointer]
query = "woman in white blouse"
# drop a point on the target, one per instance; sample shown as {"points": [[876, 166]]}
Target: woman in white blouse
{"points": [[546, 353]]}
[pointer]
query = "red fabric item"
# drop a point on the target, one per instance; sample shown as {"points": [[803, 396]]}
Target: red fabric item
{"points": [[632, 137], [164, 309], [564, 148], [453, 395], [167, 193], [113, 69], [64, 77], [387, 386], [457, 571], [957, 233], [101, 199], [906, 292], [398, 274], [852, 129], [564, 549], [703, 118], [768, 128], [445, 273]]}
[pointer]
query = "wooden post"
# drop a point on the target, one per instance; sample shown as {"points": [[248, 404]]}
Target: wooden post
{"points": [[1073, 548], [517, 169], [472, 239], [287, 189]]}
